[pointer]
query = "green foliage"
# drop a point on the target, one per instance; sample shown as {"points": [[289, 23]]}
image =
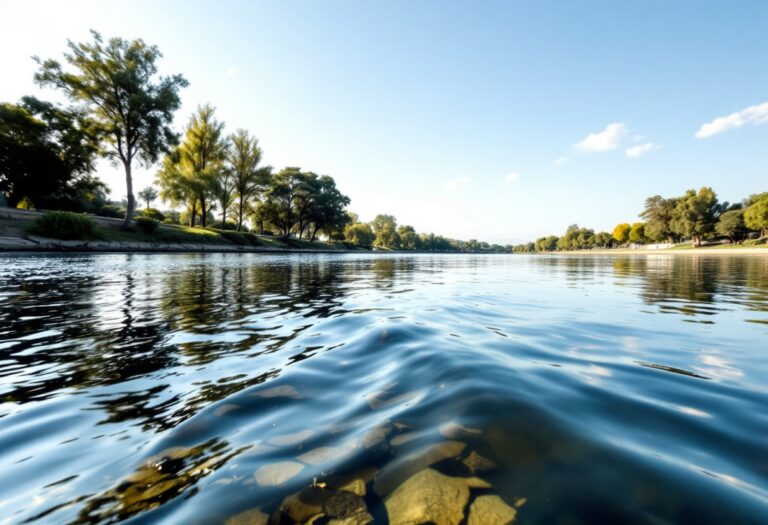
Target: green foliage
{"points": [[130, 108], [234, 237], [621, 233], [148, 194], [153, 213], [409, 240], [359, 234], [46, 153], [637, 233], [190, 173], [111, 210], [731, 225], [546, 244], [756, 215], [695, 214], [385, 230], [64, 225], [576, 238], [229, 225], [658, 215], [250, 179], [147, 225]]}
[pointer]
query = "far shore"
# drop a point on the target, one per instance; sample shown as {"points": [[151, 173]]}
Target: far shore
{"points": [[703, 250]]}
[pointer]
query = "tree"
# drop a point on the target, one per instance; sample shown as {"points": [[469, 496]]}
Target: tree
{"points": [[637, 233], [731, 225], [279, 206], [131, 107], [658, 216], [329, 214], [244, 157], [546, 244], [359, 234], [603, 240], [695, 214], [192, 171], [44, 151], [756, 216], [385, 229], [409, 240], [621, 233], [148, 194], [224, 190]]}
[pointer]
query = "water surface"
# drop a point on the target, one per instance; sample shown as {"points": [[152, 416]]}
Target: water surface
{"points": [[192, 388]]}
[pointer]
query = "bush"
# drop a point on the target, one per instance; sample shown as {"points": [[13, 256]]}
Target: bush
{"points": [[147, 225], [234, 237], [754, 242], [268, 233], [218, 225], [253, 239], [64, 225], [110, 210], [152, 213]]}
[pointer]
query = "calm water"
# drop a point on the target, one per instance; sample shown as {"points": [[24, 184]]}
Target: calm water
{"points": [[192, 388]]}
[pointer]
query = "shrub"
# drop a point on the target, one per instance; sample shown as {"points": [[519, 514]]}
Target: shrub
{"points": [[152, 213], [218, 225], [111, 210], [268, 233], [253, 239], [147, 225], [64, 225], [234, 237]]}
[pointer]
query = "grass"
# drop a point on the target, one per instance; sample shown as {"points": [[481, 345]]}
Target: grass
{"points": [[175, 234]]}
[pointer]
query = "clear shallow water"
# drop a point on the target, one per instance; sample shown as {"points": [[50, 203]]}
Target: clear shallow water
{"points": [[165, 388]]}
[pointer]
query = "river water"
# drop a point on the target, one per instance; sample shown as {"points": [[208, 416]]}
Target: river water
{"points": [[205, 388]]}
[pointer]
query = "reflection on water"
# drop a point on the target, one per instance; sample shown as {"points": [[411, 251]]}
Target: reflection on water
{"points": [[362, 388]]}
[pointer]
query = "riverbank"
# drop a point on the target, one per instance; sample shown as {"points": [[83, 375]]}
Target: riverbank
{"points": [[15, 236], [703, 250]]}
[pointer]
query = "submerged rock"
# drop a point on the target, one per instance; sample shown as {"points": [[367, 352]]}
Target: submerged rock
{"points": [[477, 463], [275, 474], [249, 517], [453, 430], [428, 497], [287, 440], [322, 455], [405, 467], [279, 391], [315, 505], [490, 510]]}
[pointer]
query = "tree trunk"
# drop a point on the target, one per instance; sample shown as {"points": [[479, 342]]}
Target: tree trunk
{"points": [[203, 212], [128, 222], [223, 215], [192, 214], [240, 215]]}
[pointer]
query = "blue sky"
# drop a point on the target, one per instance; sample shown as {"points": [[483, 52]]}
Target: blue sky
{"points": [[501, 121]]}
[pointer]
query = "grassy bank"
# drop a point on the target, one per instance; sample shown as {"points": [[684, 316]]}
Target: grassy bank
{"points": [[20, 229]]}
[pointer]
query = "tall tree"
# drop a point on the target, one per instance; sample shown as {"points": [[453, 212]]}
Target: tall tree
{"points": [[131, 106], [192, 171], [658, 216], [279, 206], [44, 150], [731, 225], [637, 233], [148, 194], [621, 233], [696, 214], [244, 157], [329, 214], [385, 229], [756, 216]]}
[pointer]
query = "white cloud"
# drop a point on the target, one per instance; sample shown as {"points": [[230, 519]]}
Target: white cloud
{"points": [[457, 183], [753, 115], [512, 177], [605, 140], [640, 150], [560, 161]]}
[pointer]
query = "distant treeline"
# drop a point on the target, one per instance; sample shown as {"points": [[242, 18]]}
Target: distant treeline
{"points": [[695, 217]]}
